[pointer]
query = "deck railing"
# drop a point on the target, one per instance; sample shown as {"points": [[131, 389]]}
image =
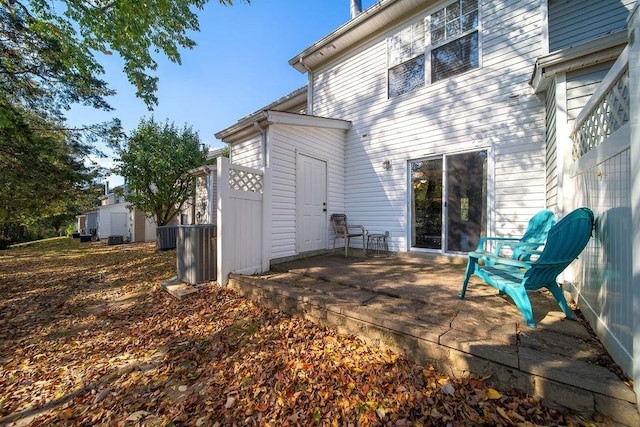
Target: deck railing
{"points": [[606, 111]]}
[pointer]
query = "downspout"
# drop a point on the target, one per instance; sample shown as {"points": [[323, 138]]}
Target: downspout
{"points": [[263, 142], [309, 87]]}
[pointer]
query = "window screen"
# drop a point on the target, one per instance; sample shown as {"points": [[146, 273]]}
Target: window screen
{"points": [[449, 37], [407, 76], [455, 57]]}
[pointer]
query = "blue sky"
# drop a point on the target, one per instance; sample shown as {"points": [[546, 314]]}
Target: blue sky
{"points": [[239, 65]]}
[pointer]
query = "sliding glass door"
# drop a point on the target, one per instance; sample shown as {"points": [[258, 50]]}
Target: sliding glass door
{"points": [[426, 204], [448, 202]]}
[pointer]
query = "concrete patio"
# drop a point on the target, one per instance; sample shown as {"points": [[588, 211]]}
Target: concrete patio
{"points": [[409, 303]]}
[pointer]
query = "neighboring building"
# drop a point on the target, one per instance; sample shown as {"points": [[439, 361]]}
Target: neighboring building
{"points": [[87, 223], [115, 218], [440, 121], [201, 208], [113, 214]]}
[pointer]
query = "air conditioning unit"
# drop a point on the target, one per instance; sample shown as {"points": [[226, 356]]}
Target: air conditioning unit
{"points": [[196, 253], [115, 240], [166, 236]]}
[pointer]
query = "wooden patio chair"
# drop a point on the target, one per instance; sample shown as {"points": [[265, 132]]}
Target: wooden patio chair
{"points": [[345, 231], [534, 237], [565, 242]]}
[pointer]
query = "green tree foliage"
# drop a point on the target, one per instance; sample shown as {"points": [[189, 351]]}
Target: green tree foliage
{"points": [[43, 171], [49, 61], [49, 47], [155, 163]]}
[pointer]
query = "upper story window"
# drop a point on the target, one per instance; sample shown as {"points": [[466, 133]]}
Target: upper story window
{"points": [[439, 46], [406, 57]]}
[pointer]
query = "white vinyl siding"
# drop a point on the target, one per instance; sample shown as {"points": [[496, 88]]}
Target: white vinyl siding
{"points": [[580, 86], [286, 141], [202, 201], [247, 152], [105, 214], [487, 108], [572, 22], [552, 155]]}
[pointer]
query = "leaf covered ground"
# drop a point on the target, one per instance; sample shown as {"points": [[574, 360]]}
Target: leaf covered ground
{"points": [[87, 337]]}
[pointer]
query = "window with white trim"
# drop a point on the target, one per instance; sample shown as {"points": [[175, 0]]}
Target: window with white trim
{"points": [[438, 46]]}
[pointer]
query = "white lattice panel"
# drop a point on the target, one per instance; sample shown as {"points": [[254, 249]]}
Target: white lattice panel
{"points": [[245, 181], [610, 114]]}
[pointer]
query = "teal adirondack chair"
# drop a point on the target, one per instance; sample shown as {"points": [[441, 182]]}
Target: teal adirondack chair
{"points": [[534, 237], [565, 242]]}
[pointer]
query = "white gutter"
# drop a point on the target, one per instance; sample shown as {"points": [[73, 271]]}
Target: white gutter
{"points": [[372, 19]]}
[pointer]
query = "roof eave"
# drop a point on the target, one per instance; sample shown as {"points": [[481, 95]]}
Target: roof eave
{"points": [[202, 170], [244, 127], [363, 26], [247, 127], [292, 119], [593, 52], [299, 96]]}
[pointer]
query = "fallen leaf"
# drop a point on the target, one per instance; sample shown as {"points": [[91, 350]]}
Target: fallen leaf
{"points": [[448, 389], [493, 394], [231, 400], [137, 416], [104, 393], [503, 414]]}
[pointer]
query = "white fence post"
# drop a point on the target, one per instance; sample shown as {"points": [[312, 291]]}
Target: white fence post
{"points": [[266, 219], [634, 95], [222, 170]]}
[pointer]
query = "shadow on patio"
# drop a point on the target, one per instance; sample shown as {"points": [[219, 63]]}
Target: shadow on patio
{"points": [[409, 303]]}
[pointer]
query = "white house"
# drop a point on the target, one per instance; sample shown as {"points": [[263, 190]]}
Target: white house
{"points": [[440, 121], [115, 218]]}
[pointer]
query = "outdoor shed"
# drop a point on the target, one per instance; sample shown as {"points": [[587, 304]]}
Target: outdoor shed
{"points": [[306, 157]]}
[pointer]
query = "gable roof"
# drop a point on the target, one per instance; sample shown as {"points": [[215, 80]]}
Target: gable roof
{"points": [[295, 100], [363, 27]]}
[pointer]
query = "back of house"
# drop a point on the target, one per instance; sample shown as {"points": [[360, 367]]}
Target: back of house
{"points": [[441, 121]]}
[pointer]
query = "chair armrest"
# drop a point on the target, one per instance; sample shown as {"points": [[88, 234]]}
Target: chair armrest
{"points": [[517, 245], [357, 226], [340, 229], [483, 240], [491, 259]]}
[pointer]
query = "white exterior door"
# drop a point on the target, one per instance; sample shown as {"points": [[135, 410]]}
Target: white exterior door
{"points": [[119, 225], [311, 196]]}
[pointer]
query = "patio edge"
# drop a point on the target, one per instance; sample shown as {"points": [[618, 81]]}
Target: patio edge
{"points": [[295, 302]]}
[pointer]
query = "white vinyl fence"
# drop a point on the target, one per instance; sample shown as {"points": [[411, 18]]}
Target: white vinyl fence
{"points": [[243, 234], [601, 175]]}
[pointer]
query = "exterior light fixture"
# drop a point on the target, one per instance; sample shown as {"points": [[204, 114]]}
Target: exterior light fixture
{"points": [[386, 165]]}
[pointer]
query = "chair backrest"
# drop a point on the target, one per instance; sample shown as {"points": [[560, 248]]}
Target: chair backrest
{"points": [[339, 222], [539, 226], [565, 242]]}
